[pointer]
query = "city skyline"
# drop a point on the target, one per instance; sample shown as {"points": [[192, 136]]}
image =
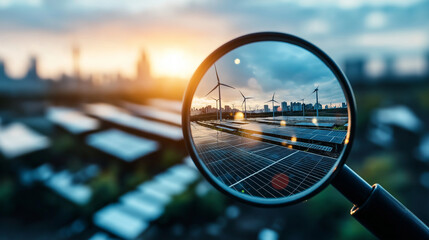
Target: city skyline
{"points": [[290, 71], [111, 35]]}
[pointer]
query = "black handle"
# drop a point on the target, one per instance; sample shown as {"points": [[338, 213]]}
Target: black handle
{"points": [[387, 218], [377, 210]]}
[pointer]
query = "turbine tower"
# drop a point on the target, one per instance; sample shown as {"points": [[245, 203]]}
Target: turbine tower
{"points": [[217, 117], [317, 99], [245, 103], [272, 101], [220, 98], [303, 107]]}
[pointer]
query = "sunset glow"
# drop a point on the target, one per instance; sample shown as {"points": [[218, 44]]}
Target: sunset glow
{"points": [[172, 63]]}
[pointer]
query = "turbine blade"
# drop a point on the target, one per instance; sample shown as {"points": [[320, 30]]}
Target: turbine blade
{"points": [[243, 102], [275, 101], [273, 95], [212, 89], [268, 101], [223, 84], [217, 76], [249, 98], [241, 94]]}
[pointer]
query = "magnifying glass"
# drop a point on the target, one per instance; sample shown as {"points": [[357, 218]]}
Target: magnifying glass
{"points": [[269, 120]]}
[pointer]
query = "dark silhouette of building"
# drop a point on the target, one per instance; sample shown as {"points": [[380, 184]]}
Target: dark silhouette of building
{"points": [[76, 62], [355, 68], [143, 68], [3, 75], [389, 70], [427, 64], [32, 73]]}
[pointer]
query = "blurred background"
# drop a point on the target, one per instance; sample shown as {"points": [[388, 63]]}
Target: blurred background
{"points": [[90, 98]]}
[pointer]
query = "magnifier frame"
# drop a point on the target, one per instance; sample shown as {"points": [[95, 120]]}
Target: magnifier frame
{"points": [[253, 38]]}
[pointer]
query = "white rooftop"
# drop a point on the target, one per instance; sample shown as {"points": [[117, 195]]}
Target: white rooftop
{"points": [[119, 116], [116, 219], [155, 113], [122, 145], [72, 120], [147, 208], [62, 183], [130, 217], [17, 139], [170, 105]]}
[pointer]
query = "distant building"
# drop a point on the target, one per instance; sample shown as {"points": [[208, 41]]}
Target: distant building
{"points": [[284, 106], [326, 106], [266, 109], [143, 69], [309, 106], [228, 108], [3, 75], [32, 73], [318, 106], [427, 64], [389, 69], [343, 105], [276, 108], [295, 106], [355, 68]]}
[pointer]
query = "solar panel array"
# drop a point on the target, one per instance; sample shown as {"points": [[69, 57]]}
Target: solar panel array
{"points": [[258, 168], [330, 136], [293, 143]]}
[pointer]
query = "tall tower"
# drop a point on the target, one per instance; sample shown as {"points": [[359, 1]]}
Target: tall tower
{"points": [[3, 75], [355, 68], [427, 63], [76, 61], [143, 68], [32, 73]]}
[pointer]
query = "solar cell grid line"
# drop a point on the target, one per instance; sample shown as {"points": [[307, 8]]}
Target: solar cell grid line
{"points": [[299, 164], [243, 160], [243, 171], [302, 167], [306, 177], [292, 181], [316, 179], [282, 170], [263, 168], [238, 167], [229, 171], [219, 152]]}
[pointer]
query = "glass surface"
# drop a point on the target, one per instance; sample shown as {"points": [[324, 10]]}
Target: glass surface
{"points": [[269, 120]]}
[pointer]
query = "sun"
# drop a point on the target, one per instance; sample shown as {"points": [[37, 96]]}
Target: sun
{"points": [[171, 63]]}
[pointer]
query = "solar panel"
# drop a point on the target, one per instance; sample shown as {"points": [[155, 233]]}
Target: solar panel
{"points": [[289, 132], [122, 145], [258, 168]]}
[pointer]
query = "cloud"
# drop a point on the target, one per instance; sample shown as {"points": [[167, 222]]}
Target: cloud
{"points": [[267, 67], [336, 26]]}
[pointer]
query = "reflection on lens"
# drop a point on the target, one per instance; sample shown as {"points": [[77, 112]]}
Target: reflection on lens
{"points": [[269, 120]]}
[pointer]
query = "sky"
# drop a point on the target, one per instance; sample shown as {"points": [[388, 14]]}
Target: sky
{"points": [[261, 69], [179, 34]]}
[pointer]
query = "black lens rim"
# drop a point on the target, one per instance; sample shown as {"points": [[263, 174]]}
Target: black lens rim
{"points": [[252, 38]]}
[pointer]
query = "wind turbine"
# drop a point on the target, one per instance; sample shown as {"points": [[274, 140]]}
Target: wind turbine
{"points": [[220, 98], [245, 103], [272, 101], [217, 117], [317, 99]]}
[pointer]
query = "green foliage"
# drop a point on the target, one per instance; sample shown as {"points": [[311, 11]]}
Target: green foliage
{"points": [[7, 192], [105, 188], [170, 156]]}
